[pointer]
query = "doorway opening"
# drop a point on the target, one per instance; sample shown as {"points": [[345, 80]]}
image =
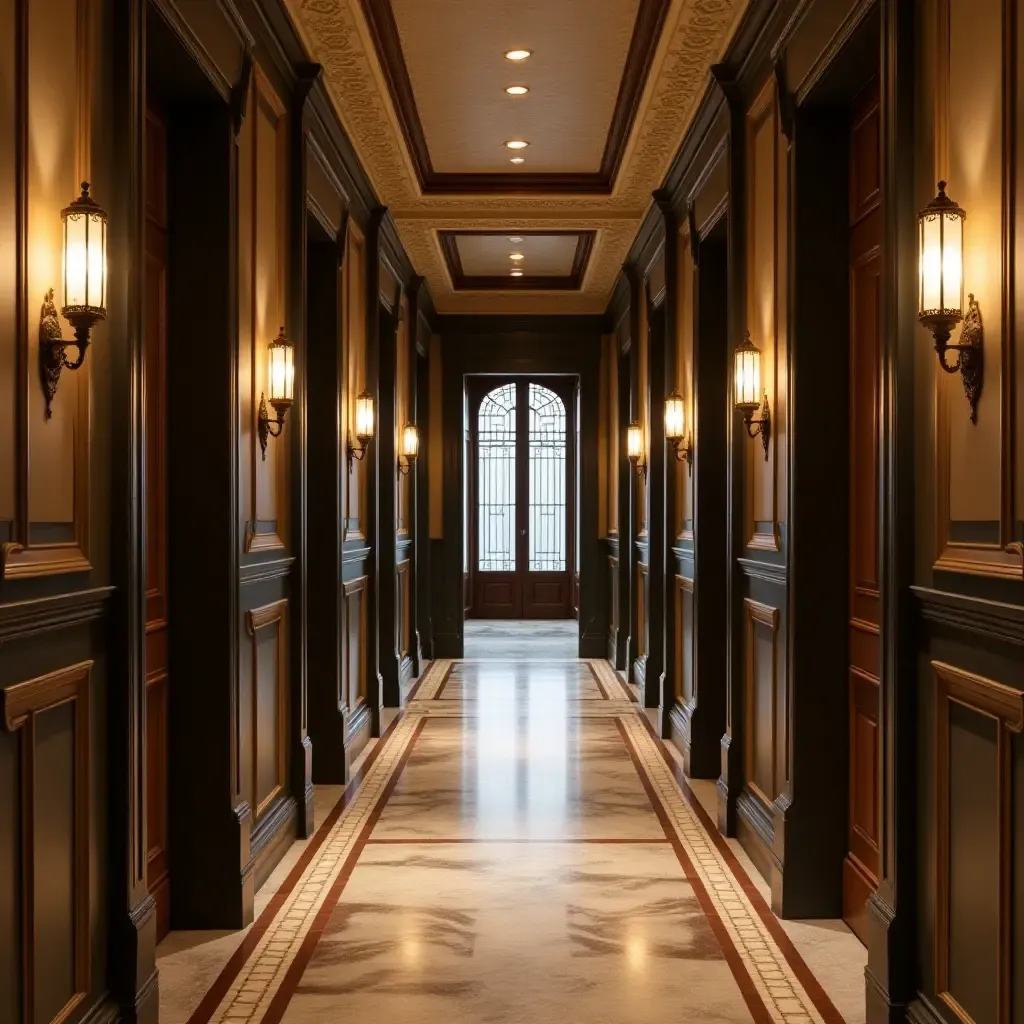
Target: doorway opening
{"points": [[521, 486]]}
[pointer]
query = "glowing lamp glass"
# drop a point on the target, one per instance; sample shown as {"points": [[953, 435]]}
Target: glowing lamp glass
{"points": [[634, 441], [675, 417], [747, 375], [941, 257], [364, 417], [84, 257], [281, 371], [410, 441]]}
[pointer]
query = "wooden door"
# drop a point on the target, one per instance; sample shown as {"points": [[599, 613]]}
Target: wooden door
{"points": [[522, 487], [157, 678], [860, 870]]}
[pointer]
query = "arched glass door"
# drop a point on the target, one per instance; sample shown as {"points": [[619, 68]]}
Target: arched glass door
{"points": [[521, 505]]}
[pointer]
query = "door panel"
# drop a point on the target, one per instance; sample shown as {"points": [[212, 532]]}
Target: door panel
{"points": [[522, 487], [157, 678], [860, 870]]}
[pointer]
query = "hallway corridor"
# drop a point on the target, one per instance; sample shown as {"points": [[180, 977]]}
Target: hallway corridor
{"points": [[518, 848]]}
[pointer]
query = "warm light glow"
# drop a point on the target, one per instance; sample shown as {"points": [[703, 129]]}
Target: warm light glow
{"points": [[747, 375], [517, 54], [675, 417], [516, 144], [410, 441], [517, 90], [85, 256], [516, 273], [941, 248], [634, 441], [517, 160], [364, 417], [516, 238], [517, 256], [280, 371]]}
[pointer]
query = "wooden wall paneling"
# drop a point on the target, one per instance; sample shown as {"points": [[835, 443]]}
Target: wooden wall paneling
{"points": [[381, 324], [209, 319], [892, 976], [403, 620], [626, 637], [268, 742], [132, 946], [762, 689], [666, 505], [325, 613], [978, 467], [765, 274], [157, 633], [51, 716], [354, 291], [421, 486], [702, 718], [355, 659], [266, 526], [46, 530], [299, 744], [730, 783], [975, 721]]}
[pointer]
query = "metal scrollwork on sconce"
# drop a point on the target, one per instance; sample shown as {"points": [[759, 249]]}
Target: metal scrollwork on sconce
{"points": [[53, 351], [969, 363]]}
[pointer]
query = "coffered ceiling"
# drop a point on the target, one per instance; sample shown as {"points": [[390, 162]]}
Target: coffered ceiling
{"points": [[420, 86]]}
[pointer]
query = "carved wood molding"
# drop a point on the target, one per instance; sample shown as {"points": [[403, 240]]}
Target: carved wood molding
{"points": [[257, 619], [26, 618]]}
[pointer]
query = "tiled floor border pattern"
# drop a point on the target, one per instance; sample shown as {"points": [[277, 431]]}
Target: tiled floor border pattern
{"points": [[773, 978], [608, 681]]}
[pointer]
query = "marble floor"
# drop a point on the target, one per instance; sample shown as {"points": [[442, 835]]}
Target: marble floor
{"points": [[520, 848], [512, 639]]}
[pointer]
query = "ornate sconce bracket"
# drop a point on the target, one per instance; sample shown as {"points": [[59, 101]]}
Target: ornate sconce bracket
{"points": [[970, 362], [53, 350], [761, 426], [267, 427]]}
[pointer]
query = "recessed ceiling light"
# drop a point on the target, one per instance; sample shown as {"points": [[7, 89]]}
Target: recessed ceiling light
{"points": [[517, 160], [517, 256], [517, 90], [517, 144], [517, 54], [516, 273], [515, 238]]}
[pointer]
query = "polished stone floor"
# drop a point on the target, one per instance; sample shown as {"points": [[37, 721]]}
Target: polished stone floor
{"points": [[512, 639], [518, 848]]}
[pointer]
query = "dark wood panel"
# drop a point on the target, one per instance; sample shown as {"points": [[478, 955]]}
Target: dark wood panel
{"points": [[860, 868], [51, 717], [267, 627], [157, 639]]}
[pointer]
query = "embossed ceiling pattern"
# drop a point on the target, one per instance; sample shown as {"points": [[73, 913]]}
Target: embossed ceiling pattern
{"points": [[338, 36]]}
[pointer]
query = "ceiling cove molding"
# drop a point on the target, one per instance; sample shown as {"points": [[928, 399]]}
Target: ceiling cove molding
{"points": [[537, 282], [696, 34], [650, 20]]}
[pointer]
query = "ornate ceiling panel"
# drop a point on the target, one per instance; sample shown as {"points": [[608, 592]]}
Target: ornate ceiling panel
{"points": [[417, 84]]}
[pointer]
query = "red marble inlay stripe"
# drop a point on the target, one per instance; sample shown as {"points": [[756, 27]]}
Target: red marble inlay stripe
{"points": [[811, 985]]}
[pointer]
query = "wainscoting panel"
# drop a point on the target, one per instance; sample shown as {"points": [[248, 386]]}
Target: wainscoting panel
{"points": [[683, 611], [48, 718], [977, 720], [762, 700], [353, 632], [267, 626]]}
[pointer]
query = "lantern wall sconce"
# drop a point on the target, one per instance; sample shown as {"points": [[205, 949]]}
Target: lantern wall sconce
{"points": [[635, 448], [409, 450], [675, 429], [941, 293], [364, 428], [749, 395], [84, 297], [281, 384]]}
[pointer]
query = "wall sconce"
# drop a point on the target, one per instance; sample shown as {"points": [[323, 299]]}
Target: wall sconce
{"points": [[675, 429], [635, 448], [941, 296], [364, 428], [84, 260], [281, 383], [410, 448], [747, 378]]}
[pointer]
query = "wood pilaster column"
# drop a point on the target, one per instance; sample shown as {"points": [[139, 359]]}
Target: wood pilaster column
{"points": [[133, 977]]}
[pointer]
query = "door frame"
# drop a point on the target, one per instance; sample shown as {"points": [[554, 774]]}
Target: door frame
{"points": [[565, 386]]}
